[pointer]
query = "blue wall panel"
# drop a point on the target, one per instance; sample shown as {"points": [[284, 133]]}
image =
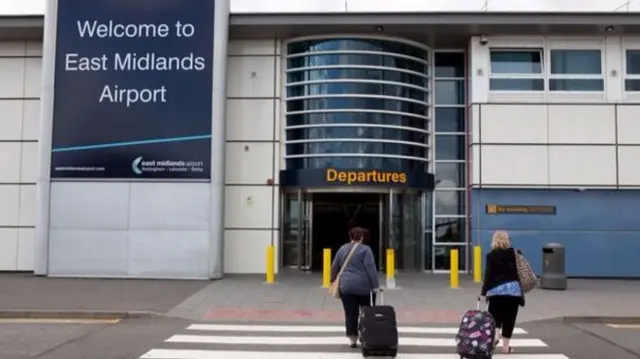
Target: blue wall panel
{"points": [[600, 229]]}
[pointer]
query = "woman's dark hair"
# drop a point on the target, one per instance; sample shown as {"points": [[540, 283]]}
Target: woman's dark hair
{"points": [[357, 233]]}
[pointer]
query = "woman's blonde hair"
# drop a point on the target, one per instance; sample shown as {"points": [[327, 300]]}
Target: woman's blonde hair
{"points": [[500, 240]]}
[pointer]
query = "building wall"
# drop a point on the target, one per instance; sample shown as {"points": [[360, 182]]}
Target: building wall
{"points": [[576, 150], [254, 129], [20, 69]]}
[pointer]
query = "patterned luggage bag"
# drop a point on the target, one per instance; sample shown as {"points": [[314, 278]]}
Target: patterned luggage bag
{"points": [[475, 338]]}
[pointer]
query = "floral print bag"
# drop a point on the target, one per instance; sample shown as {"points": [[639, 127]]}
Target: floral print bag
{"points": [[475, 338]]}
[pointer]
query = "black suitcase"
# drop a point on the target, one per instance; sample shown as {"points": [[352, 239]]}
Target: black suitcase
{"points": [[378, 330]]}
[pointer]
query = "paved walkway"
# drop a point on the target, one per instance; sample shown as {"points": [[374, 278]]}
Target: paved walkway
{"points": [[299, 298], [421, 299]]}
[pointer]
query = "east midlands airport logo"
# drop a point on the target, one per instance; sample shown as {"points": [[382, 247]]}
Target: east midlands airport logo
{"points": [[140, 166], [135, 166]]}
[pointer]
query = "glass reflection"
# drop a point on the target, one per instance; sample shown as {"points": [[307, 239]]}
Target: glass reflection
{"points": [[450, 119], [390, 74], [352, 103], [450, 92], [450, 175], [316, 133], [372, 117], [442, 256], [449, 202], [356, 147], [356, 162], [357, 45], [360, 59], [449, 64], [343, 88], [450, 230]]}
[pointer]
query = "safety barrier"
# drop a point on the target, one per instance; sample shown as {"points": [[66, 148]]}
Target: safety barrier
{"points": [[454, 270], [326, 267], [391, 268], [271, 265], [477, 264]]}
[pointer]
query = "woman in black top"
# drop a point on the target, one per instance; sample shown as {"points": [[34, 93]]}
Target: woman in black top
{"points": [[502, 288]]}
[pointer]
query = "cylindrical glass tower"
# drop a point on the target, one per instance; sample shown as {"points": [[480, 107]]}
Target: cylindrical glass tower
{"points": [[357, 102]]}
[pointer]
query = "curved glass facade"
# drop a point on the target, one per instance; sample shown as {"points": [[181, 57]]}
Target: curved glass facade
{"points": [[357, 103]]}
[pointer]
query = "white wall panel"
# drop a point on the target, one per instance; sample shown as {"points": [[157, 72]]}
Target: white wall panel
{"points": [[34, 48], [29, 162], [169, 206], [475, 165], [582, 124], [245, 251], [582, 165], [12, 48], [248, 163], [31, 120], [12, 72], [8, 249], [77, 205], [628, 165], [514, 165], [248, 207], [250, 120], [629, 125], [33, 77], [251, 77], [25, 257], [10, 119], [513, 123], [91, 252], [10, 162], [9, 202], [255, 47], [27, 209]]}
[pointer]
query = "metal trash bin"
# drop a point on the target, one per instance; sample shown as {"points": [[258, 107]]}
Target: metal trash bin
{"points": [[553, 267]]}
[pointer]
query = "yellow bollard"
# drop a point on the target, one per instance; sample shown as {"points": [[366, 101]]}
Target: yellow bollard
{"points": [[271, 269], [391, 264], [455, 276], [326, 267], [477, 264]]}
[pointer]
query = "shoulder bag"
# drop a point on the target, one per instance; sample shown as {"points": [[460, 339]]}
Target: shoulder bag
{"points": [[528, 279], [334, 289]]}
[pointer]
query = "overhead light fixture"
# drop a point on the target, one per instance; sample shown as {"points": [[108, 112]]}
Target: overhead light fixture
{"points": [[609, 28], [379, 28]]}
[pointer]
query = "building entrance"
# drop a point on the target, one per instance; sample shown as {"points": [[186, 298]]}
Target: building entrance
{"points": [[334, 214], [315, 220]]}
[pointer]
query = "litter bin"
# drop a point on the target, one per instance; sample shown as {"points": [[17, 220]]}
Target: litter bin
{"points": [[553, 267]]}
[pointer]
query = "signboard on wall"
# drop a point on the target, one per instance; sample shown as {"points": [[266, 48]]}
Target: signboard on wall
{"points": [[133, 89], [519, 209], [357, 177]]}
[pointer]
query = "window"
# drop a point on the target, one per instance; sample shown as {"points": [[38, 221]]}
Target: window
{"points": [[576, 70], [516, 70], [632, 71]]}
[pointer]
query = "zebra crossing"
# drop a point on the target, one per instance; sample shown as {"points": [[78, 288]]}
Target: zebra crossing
{"points": [[234, 341]]}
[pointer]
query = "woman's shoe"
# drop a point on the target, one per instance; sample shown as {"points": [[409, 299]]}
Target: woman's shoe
{"points": [[353, 342]]}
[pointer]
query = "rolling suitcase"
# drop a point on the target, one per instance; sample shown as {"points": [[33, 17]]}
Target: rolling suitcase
{"points": [[476, 335], [378, 329]]}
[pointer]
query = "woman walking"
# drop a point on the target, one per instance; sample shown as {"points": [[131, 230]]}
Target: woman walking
{"points": [[355, 265], [502, 287]]}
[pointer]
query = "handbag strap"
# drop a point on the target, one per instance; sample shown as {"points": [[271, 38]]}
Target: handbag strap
{"points": [[347, 260]]}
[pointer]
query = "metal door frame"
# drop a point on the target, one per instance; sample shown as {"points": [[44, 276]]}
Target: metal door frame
{"points": [[304, 241]]}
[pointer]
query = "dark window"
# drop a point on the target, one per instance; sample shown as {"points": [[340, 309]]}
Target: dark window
{"points": [[576, 62], [449, 64], [450, 119], [450, 147], [450, 230], [516, 85], [633, 62], [576, 85], [450, 92], [359, 59], [516, 62]]}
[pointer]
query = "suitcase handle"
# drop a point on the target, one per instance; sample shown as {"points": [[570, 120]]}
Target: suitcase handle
{"points": [[373, 302], [478, 304]]}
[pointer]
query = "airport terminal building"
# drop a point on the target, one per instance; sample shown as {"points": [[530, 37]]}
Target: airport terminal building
{"points": [[181, 138]]}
